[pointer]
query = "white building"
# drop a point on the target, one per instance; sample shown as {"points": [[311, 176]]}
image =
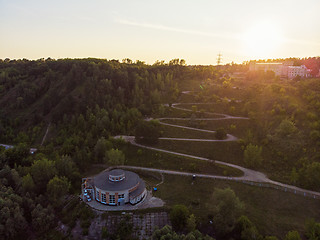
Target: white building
{"points": [[277, 68], [115, 187], [285, 70], [302, 71]]}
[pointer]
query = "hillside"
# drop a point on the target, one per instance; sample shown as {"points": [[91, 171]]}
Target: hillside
{"points": [[257, 121]]}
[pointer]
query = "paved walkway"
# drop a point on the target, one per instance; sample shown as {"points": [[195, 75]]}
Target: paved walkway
{"points": [[248, 174], [45, 135], [224, 116]]}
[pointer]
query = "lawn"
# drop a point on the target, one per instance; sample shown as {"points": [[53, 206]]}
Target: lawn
{"points": [[176, 132], [136, 156], [237, 127], [224, 151], [274, 212], [220, 106]]}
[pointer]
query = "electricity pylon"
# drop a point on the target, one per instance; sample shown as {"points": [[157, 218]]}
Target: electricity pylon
{"points": [[219, 59]]}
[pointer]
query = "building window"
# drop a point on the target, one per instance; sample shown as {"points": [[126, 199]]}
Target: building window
{"points": [[98, 196], [121, 196], [103, 198], [112, 199]]}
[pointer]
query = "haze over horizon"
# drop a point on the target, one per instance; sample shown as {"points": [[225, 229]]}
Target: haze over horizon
{"points": [[149, 31]]}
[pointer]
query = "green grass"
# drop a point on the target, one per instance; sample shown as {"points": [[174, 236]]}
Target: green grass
{"points": [[190, 84], [151, 178], [148, 158], [176, 132], [186, 98], [274, 212], [220, 106], [237, 127], [223, 151], [173, 112]]}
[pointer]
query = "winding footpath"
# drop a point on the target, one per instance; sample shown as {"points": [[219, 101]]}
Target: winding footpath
{"points": [[249, 176]]}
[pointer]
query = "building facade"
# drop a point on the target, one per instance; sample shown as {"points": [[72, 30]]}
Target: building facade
{"points": [[294, 71], [285, 70], [277, 68], [115, 187]]}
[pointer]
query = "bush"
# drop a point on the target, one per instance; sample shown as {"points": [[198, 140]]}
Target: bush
{"points": [[253, 155], [178, 216], [220, 134]]}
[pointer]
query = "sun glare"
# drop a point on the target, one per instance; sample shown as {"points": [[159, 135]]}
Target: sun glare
{"points": [[262, 40]]}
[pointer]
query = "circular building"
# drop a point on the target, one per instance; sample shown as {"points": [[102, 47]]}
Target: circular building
{"points": [[117, 187]]}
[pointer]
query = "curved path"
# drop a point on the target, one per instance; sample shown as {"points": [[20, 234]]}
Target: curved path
{"points": [[223, 116], [248, 174]]}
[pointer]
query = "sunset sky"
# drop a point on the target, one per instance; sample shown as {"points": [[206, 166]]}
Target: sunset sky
{"points": [[150, 30]]}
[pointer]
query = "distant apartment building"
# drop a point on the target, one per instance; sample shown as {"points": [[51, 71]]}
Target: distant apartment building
{"points": [[275, 67], [302, 71], [285, 70]]}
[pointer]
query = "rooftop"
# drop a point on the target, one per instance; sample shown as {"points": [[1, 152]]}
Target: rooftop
{"points": [[102, 181], [270, 63]]}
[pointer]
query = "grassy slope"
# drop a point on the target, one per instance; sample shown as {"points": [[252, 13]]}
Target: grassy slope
{"points": [[223, 151], [240, 130], [274, 212], [153, 159], [175, 132]]}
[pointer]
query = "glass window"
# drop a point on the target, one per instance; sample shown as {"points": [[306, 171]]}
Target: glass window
{"points": [[103, 197], [121, 196], [112, 199]]}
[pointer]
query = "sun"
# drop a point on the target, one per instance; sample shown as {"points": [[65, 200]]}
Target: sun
{"points": [[262, 40]]}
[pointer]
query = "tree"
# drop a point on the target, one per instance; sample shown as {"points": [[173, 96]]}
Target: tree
{"points": [[312, 229], [28, 184], [294, 176], [66, 167], [286, 128], [246, 229], [252, 155], [178, 216], [115, 157], [124, 229], [42, 219], [287, 138], [42, 171], [12, 221], [271, 238], [100, 149], [191, 223], [167, 233], [227, 209], [220, 133], [292, 235], [148, 132], [310, 175], [58, 187]]}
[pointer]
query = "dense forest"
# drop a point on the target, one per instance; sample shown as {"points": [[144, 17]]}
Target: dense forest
{"points": [[85, 102]]}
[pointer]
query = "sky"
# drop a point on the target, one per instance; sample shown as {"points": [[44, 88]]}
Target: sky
{"points": [[149, 30]]}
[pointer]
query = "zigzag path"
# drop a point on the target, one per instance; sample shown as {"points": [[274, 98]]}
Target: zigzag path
{"points": [[248, 174]]}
